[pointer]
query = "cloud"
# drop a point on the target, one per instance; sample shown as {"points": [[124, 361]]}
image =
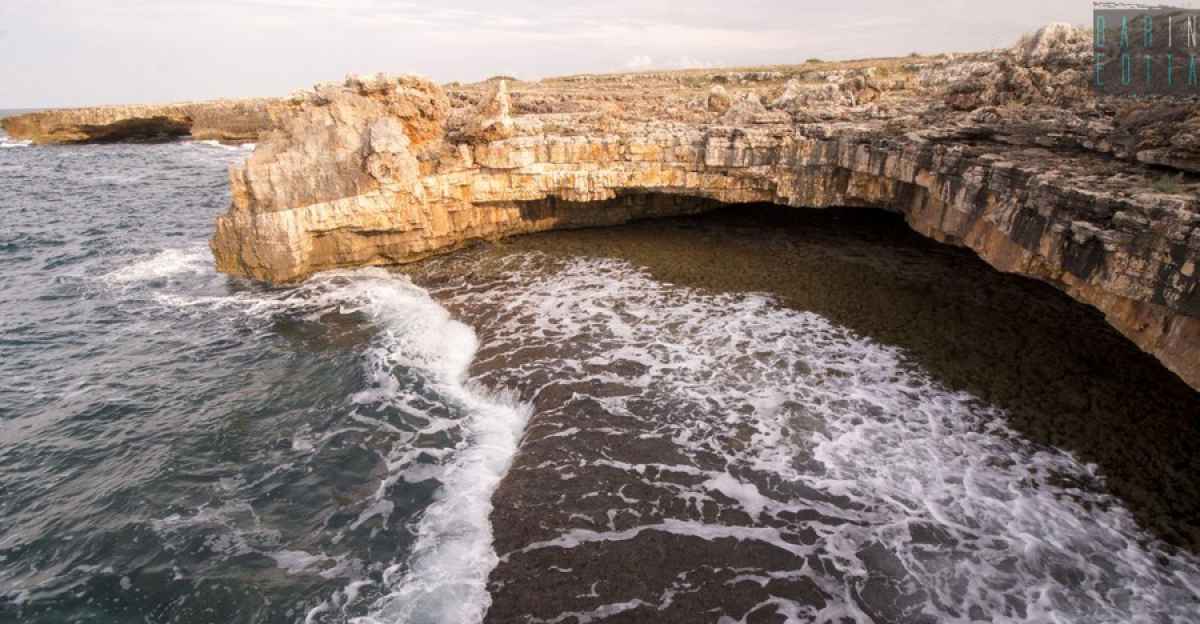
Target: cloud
{"points": [[644, 61], [639, 62], [688, 62], [78, 52]]}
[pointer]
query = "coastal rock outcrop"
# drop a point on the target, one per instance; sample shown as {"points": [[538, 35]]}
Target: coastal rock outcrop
{"points": [[377, 171], [231, 121]]}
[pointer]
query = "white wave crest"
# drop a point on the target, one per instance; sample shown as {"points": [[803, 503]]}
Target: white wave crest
{"points": [[7, 144], [164, 264], [444, 578], [225, 146]]}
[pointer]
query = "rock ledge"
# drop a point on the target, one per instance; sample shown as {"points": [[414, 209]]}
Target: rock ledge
{"points": [[1005, 152]]}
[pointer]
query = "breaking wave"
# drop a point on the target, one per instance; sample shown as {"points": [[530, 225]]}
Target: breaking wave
{"points": [[240, 147], [162, 265], [443, 578]]}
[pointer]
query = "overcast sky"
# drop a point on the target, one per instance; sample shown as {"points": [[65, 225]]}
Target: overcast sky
{"points": [[84, 52]]}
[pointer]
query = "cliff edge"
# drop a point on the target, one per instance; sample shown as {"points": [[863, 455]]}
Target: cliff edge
{"points": [[1006, 152]]}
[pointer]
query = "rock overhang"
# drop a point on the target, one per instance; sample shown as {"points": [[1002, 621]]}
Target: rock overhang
{"points": [[1005, 152]]}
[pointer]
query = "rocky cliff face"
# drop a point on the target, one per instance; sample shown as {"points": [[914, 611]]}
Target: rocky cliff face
{"points": [[1004, 152], [233, 121]]}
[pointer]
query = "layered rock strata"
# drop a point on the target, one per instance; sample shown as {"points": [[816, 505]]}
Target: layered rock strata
{"points": [[389, 170], [231, 121]]}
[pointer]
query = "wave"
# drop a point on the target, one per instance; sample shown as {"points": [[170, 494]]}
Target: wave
{"points": [[7, 144], [162, 265], [242, 147], [443, 578]]}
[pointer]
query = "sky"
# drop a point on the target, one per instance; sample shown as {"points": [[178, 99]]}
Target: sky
{"points": [[89, 52]]}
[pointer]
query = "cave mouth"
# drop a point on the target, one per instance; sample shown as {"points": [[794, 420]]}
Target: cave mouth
{"points": [[139, 130], [1064, 376]]}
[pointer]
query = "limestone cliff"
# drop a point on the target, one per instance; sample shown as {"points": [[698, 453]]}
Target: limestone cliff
{"points": [[233, 121], [1004, 152]]}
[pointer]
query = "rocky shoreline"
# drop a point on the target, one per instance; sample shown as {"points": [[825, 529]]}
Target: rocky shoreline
{"points": [[228, 121], [1006, 153], [606, 511]]}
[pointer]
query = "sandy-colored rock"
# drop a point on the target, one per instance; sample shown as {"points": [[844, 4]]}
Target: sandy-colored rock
{"points": [[492, 120], [1052, 66], [231, 121], [798, 96], [365, 173], [1058, 45], [718, 99]]}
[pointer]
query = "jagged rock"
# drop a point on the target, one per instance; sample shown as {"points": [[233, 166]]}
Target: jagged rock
{"points": [[343, 140], [747, 109], [1186, 136], [1159, 134], [363, 174], [1058, 45], [389, 152], [719, 100], [493, 118], [1049, 67], [798, 96]]}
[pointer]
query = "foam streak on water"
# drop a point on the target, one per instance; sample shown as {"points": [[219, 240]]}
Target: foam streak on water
{"points": [[444, 577], [162, 265], [243, 147], [914, 488]]}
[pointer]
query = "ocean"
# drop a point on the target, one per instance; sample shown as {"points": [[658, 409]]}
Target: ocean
{"points": [[739, 417]]}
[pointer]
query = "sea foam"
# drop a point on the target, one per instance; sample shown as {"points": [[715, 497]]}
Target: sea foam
{"points": [[1018, 523], [164, 264], [809, 428], [443, 578], [241, 147]]}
